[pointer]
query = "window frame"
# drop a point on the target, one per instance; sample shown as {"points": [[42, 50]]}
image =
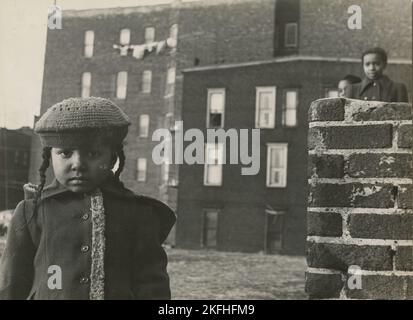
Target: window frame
{"points": [[219, 164], [327, 90], [88, 49], [210, 92], [286, 27], [173, 31], [146, 133], [146, 81], [284, 147], [118, 86], [204, 241], [258, 90], [144, 170], [145, 35], [124, 33], [86, 85], [285, 107]]}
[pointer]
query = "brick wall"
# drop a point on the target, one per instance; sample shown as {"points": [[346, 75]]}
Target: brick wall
{"points": [[360, 199]]}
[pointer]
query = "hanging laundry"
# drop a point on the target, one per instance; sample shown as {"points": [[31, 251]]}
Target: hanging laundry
{"points": [[138, 51], [124, 50], [160, 46], [171, 42]]}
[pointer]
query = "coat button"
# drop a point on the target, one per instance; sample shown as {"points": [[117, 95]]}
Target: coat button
{"points": [[84, 248], [365, 98], [374, 84], [85, 216], [84, 280]]}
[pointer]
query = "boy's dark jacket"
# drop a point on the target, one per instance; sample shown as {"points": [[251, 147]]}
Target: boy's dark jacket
{"points": [[60, 234], [388, 90]]}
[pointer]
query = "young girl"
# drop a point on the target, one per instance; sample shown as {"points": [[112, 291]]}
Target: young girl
{"points": [[376, 86], [85, 236]]}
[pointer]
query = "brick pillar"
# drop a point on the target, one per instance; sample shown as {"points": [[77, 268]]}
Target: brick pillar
{"points": [[360, 200]]}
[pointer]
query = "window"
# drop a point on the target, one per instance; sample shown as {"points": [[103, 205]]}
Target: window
{"points": [[291, 35], [149, 34], [210, 228], [331, 93], [170, 81], [146, 81], [290, 108], [143, 126], [124, 40], [215, 108], [124, 37], [213, 164], [165, 172], [265, 107], [277, 165], [172, 41], [173, 32], [89, 41], [141, 170], [121, 85], [86, 83]]}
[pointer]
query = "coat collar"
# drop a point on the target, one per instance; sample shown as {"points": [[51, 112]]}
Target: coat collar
{"points": [[383, 82], [110, 185]]}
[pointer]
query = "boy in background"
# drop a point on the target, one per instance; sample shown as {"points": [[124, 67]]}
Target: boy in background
{"points": [[376, 86]]}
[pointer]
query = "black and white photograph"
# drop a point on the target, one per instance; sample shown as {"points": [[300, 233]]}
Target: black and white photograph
{"points": [[212, 150]]}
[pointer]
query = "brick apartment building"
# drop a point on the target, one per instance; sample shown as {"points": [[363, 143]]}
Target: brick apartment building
{"points": [[218, 206], [135, 56], [93, 54], [14, 165], [222, 209]]}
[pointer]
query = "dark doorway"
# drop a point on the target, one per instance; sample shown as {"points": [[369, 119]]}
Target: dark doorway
{"points": [[274, 231]]}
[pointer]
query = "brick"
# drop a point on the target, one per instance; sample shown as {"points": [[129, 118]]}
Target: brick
{"points": [[404, 258], [327, 110], [326, 166], [380, 165], [379, 287], [384, 111], [321, 286], [381, 226], [324, 224], [351, 195], [351, 137], [405, 136], [405, 197], [341, 256]]}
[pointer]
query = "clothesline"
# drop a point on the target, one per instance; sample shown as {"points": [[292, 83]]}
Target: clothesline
{"points": [[138, 50]]}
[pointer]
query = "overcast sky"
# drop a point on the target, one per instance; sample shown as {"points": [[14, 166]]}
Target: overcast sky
{"points": [[23, 26]]}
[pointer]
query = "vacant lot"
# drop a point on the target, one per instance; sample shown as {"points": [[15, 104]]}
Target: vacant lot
{"points": [[226, 275], [223, 275]]}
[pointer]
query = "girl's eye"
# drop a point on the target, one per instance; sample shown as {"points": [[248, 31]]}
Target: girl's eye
{"points": [[65, 153]]}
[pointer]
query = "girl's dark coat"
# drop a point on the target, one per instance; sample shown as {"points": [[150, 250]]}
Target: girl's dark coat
{"points": [[60, 235]]}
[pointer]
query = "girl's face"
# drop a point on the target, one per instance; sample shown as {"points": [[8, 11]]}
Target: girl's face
{"points": [[83, 169], [373, 66]]}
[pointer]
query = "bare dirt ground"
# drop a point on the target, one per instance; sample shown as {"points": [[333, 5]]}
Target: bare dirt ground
{"points": [[210, 275], [226, 275]]}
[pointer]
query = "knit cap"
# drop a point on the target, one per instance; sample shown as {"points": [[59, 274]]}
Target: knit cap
{"points": [[79, 121]]}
